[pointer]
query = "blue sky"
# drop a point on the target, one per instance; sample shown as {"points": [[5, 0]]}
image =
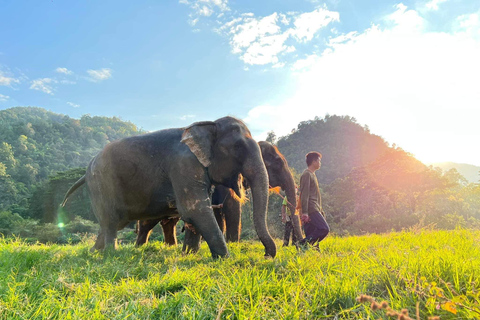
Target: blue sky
{"points": [[409, 70]]}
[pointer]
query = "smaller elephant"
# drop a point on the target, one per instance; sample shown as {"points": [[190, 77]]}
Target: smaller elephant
{"points": [[229, 216]]}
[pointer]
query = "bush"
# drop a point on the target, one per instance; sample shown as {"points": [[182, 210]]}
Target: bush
{"points": [[80, 225], [47, 232], [8, 221], [11, 224]]}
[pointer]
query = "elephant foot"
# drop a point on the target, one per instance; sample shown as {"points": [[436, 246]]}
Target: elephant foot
{"points": [[191, 242]]}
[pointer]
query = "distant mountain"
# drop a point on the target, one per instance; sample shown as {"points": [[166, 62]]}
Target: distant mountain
{"points": [[470, 172]]}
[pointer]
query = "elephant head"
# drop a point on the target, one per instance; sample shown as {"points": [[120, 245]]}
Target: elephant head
{"points": [[226, 149], [279, 174]]}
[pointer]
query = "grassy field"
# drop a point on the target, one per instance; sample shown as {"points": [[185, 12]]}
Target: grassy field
{"points": [[425, 273]]}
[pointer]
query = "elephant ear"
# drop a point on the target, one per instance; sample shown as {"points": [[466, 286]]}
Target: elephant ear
{"points": [[200, 138]]}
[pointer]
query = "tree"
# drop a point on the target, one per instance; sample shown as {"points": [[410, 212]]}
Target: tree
{"points": [[271, 137], [6, 156]]}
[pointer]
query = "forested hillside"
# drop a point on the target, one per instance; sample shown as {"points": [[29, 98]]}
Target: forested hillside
{"points": [[369, 186], [343, 143], [36, 144]]}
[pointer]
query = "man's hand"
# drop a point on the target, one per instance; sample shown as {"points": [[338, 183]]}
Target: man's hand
{"points": [[305, 218]]}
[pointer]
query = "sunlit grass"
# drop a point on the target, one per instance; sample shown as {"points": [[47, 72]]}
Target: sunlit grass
{"points": [[158, 282]]}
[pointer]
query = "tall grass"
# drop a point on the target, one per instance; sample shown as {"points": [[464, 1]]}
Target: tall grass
{"points": [[429, 273]]}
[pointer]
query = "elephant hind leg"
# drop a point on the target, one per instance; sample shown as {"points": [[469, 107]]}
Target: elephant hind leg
{"points": [[233, 219], [107, 237], [100, 242], [111, 237], [144, 230], [169, 230]]}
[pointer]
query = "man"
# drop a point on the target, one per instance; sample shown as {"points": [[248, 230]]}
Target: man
{"points": [[314, 223]]}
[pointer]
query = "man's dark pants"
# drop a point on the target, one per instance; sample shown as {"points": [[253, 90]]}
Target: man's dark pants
{"points": [[316, 229]]}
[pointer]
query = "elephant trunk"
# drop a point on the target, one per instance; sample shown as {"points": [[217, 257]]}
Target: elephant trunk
{"points": [[289, 188], [256, 174]]}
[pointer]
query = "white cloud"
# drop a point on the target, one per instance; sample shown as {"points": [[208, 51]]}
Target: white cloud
{"points": [[6, 80], [205, 8], [266, 50], [309, 23], [415, 88], [433, 5], [99, 75], [187, 117], [306, 63], [469, 24], [71, 104], [64, 71], [67, 82], [263, 40], [243, 35], [44, 85], [406, 21], [3, 97]]}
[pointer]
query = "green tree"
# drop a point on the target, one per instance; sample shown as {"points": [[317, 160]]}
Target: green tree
{"points": [[6, 156], [271, 137]]}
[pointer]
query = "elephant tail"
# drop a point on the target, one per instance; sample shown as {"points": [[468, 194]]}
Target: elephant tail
{"points": [[72, 189]]}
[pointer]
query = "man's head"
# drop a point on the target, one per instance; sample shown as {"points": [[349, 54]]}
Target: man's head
{"points": [[314, 160]]}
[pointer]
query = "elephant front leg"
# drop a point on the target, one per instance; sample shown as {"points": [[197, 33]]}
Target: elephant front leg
{"points": [[191, 244], [195, 207]]}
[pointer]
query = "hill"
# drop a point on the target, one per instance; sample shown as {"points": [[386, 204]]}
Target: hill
{"points": [[469, 171], [343, 142], [36, 143]]}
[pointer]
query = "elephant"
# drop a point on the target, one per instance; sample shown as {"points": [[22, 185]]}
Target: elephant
{"points": [[229, 216], [170, 174]]}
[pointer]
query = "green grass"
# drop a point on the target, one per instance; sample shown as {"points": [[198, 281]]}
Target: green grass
{"points": [[439, 270]]}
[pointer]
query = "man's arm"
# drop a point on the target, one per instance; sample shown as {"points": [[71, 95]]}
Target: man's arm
{"points": [[304, 195], [304, 192]]}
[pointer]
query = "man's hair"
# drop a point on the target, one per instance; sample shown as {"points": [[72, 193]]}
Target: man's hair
{"points": [[312, 156]]}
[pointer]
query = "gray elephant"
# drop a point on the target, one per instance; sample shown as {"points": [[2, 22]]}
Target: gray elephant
{"points": [[170, 173], [229, 216]]}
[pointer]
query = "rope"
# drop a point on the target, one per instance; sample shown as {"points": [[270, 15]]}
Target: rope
{"points": [[291, 204]]}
